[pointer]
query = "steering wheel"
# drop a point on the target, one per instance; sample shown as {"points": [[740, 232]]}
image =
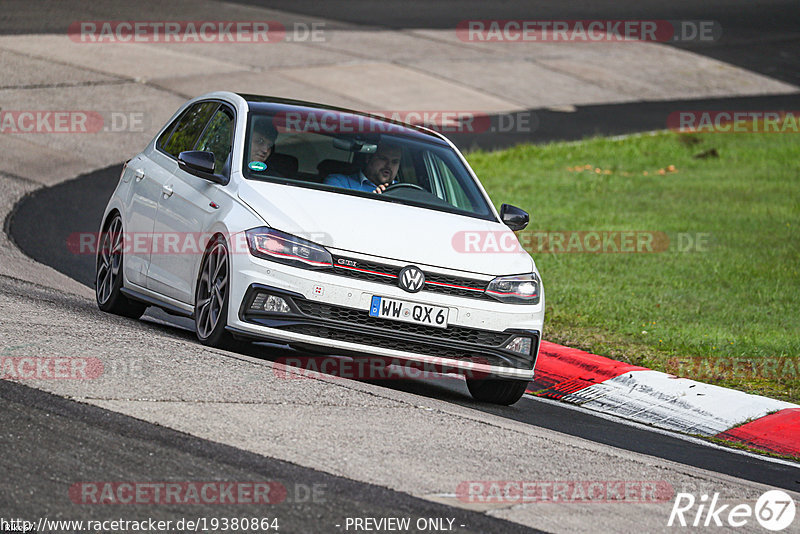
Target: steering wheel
{"points": [[397, 186]]}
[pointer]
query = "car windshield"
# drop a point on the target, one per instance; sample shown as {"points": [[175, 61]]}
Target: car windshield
{"points": [[347, 154]]}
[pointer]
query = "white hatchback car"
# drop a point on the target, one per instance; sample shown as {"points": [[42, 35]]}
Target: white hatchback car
{"points": [[326, 229]]}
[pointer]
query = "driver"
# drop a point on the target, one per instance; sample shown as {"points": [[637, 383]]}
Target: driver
{"points": [[380, 171]]}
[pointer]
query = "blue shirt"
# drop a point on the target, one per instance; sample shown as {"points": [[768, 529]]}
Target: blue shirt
{"points": [[358, 182]]}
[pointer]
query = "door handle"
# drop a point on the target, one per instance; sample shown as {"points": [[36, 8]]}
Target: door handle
{"points": [[139, 174], [167, 191]]}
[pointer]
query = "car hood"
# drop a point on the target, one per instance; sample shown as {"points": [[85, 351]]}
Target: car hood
{"points": [[388, 230]]}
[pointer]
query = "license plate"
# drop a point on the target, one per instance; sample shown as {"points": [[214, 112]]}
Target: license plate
{"points": [[408, 312]]}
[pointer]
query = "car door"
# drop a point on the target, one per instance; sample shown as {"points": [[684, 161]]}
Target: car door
{"points": [[141, 204], [186, 206]]}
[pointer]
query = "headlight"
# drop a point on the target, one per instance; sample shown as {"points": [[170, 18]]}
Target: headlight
{"points": [[284, 248], [521, 289]]}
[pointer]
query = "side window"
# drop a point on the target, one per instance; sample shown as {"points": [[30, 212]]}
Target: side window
{"points": [[189, 127], [408, 173], [218, 137], [444, 182], [162, 139]]}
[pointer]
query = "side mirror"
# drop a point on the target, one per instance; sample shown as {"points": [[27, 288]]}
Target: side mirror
{"points": [[514, 217], [201, 164]]}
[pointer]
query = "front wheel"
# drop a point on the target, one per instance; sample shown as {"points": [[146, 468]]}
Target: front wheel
{"points": [[503, 391], [211, 298]]}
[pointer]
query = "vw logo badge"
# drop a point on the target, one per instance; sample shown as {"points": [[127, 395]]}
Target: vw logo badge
{"points": [[411, 279]]}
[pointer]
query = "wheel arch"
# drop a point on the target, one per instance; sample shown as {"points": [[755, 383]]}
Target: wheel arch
{"points": [[109, 216], [218, 232]]}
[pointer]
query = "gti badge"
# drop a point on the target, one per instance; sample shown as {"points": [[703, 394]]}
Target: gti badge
{"points": [[411, 279]]}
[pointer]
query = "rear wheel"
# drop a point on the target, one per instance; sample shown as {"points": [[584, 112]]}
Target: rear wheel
{"points": [[108, 274], [211, 298], [497, 390]]}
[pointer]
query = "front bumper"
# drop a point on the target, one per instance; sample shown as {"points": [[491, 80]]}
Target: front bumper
{"points": [[338, 320]]}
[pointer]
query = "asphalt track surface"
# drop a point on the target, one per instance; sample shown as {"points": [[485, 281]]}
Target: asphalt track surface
{"points": [[77, 206], [103, 444], [761, 36], [606, 119]]}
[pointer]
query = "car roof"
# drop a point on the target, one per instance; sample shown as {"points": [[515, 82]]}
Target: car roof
{"points": [[271, 104]]}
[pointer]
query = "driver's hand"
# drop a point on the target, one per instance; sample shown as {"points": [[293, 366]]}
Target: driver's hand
{"points": [[380, 189]]}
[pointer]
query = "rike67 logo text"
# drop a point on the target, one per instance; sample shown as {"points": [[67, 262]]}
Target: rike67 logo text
{"points": [[774, 510]]}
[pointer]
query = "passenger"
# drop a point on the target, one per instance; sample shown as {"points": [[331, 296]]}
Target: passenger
{"points": [[379, 172], [262, 139], [263, 158]]}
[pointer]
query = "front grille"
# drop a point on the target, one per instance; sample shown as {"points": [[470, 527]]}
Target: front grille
{"points": [[361, 317], [394, 343], [383, 274], [340, 323], [434, 282]]}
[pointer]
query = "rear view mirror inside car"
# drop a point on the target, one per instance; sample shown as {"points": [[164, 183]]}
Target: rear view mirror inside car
{"points": [[355, 145]]}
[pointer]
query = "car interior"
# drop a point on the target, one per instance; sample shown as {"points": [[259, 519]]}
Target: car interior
{"points": [[431, 175]]}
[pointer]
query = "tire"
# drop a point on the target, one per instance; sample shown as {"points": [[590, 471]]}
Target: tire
{"points": [[497, 390], [109, 274], [212, 298]]}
